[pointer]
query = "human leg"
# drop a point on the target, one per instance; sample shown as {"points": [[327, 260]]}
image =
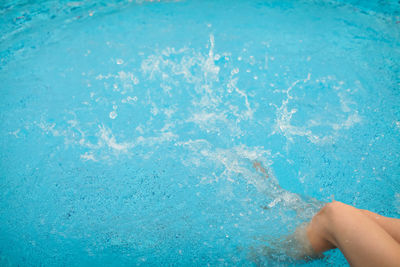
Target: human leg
{"points": [[390, 225], [362, 241]]}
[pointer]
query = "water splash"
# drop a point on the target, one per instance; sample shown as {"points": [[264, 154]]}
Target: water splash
{"points": [[284, 115], [238, 163]]}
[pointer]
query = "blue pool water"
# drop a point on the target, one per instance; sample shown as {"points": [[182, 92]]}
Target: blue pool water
{"points": [[191, 133]]}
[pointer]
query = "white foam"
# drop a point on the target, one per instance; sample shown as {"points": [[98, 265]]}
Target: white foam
{"points": [[214, 122], [150, 141], [49, 128], [232, 86], [15, 133], [237, 163], [109, 139], [128, 80], [209, 68], [284, 116], [397, 123], [129, 100], [88, 156], [151, 65], [235, 160], [113, 115], [139, 129], [351, 120], [169, 111]]}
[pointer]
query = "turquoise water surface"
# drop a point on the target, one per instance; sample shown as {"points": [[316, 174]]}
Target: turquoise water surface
{"points": [[192, 133]]}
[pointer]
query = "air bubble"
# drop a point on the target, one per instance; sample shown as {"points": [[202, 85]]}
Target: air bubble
{"points": [[235, 71], [113, 115]]}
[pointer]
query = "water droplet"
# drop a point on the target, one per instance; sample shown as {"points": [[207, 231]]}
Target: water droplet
{"points": [[113, 115]]}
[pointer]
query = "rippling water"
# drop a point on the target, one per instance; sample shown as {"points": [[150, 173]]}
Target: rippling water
{"points": [[191, 133]]}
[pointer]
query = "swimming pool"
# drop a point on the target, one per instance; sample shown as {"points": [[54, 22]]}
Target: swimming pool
{"points": [[191, 133]]}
